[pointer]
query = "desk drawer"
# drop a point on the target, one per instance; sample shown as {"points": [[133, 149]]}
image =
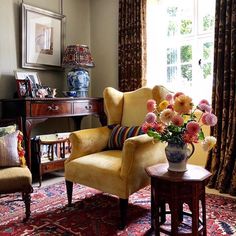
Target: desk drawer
{"points": [[86, 107], [50, 109]]}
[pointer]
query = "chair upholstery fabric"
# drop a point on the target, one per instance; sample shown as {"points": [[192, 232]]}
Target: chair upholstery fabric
{"points": [[16, 179], [118, 172]]}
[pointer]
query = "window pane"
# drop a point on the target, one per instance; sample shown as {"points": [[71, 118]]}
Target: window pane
{"points": [[172, 28], [171, 73], [186, 27], [208, 50], [206, 15], [171, 56], [207, 70], [172, 11], [186, 72], [186, 53]]}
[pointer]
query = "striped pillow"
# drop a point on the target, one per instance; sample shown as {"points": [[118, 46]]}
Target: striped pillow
{"points": [[120, 133]]}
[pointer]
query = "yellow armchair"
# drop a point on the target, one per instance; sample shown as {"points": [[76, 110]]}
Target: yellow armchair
{"points": [[118, 172]]}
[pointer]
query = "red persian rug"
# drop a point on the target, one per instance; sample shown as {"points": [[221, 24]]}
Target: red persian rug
{"points": [[94, 213]]}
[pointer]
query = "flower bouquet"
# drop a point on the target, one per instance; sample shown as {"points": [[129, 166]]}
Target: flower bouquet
{"points": [[174, 121]]}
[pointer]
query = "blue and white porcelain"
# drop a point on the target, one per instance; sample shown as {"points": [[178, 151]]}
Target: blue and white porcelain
{"points": [[177, 156], [78, 80]]}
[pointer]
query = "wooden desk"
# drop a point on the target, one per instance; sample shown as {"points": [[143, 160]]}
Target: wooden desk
{"points": [[32, 111], [175, 189]]}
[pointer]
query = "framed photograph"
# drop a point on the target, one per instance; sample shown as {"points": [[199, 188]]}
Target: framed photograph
{"points": [[29, 80], [23, 88], [42, 38]]}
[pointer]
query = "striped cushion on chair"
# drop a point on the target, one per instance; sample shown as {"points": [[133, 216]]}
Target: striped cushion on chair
{"points": [[120, 133]]}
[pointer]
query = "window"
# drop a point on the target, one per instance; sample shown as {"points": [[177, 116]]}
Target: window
{"points": [[180, 43]]}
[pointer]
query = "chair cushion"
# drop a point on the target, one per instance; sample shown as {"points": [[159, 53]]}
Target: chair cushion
{"points": [[15, 179], [7, 130], [120, 133], [11, 150]]}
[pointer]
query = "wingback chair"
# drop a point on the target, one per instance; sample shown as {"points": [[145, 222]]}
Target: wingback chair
{"points": [[118, 172]]}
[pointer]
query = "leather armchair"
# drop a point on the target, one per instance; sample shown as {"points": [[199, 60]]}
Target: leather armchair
{"points": [[118, 172]]}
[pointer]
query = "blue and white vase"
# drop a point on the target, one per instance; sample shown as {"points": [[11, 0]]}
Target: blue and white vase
{"points": [[178, 155], [78, 80]]}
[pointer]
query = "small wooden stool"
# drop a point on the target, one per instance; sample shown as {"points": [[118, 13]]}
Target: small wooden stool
{"points": [[177, 188]]}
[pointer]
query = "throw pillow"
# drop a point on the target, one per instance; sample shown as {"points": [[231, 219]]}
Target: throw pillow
{"points": [[11, 151], [120, 133], [7, 130]]}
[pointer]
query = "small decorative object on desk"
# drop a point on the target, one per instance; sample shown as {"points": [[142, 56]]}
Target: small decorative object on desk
{"points": [[174, 121]]}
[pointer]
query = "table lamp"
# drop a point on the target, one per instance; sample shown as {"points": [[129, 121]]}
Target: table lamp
{"points": [[78, 58]]}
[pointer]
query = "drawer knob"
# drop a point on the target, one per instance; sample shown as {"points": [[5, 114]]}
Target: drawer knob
{"points": [[53, 108], [88, 107]]}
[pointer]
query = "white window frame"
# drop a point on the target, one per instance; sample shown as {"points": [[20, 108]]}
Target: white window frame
{"points": [[157, 57]]}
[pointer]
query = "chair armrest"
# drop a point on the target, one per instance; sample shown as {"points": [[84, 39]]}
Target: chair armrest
{"points": [[87, 141], [140, 152]]}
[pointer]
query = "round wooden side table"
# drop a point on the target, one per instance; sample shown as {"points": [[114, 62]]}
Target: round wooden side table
{"points": [[170, 191]]}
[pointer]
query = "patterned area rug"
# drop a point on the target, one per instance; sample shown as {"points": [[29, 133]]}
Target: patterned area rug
{"points": [[94, 213]]}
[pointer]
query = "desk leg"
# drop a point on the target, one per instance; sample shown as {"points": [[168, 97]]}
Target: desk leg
{"points": [[77, 120], [28, 124]]}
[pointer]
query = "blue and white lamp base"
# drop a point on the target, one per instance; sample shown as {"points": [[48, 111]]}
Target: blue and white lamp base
{"points": [[78, 80]]}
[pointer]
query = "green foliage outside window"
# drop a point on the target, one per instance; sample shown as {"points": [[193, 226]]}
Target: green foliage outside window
{"points": [[208, 22], [186, 72], [207, 49], [186, 27], [186, 53], [207, 70]]}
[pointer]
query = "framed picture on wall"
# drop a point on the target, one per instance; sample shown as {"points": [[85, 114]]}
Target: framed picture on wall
{"points": [[42, 38]]}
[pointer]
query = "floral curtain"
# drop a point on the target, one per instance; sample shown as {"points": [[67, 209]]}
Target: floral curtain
{"points": [[132, 45], [221, 162]]}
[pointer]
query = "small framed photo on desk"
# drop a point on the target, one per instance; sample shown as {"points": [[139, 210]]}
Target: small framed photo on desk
{"points": [[27, 83], [23, 88]]}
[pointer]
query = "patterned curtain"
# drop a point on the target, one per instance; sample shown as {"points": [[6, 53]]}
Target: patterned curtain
{"points": [[132, 44], [221, 162]]}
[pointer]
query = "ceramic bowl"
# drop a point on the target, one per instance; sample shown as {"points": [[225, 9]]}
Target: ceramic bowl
{"points": [[70, 93]]}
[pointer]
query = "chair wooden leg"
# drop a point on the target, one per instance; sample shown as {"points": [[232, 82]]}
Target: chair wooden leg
{"points": [[123, 212], [69, 189], [27, 200]]}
